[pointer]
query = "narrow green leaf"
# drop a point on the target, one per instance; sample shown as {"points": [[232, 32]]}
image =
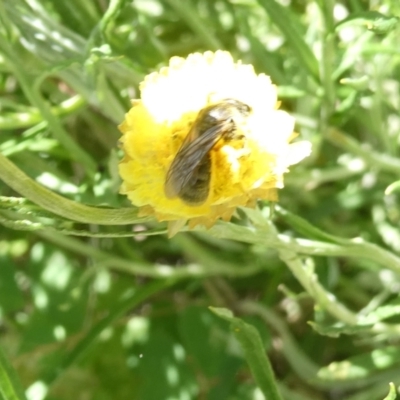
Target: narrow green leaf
{"points": [[392, 392], [267, 61], [351, 54], [289, 27], [254, 352], [31, 224], [185, 10], [10, 387], [338, 329], [361, 366], [360, 83], [383, 312], [17, 65], [376, 22], [50, 201], [307, 229], [382, 161], [33, 116], [114, 8], [290, 92], [392, 188]]}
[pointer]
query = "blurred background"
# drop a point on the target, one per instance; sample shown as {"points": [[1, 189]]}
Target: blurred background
{"points": [[90, 309]]}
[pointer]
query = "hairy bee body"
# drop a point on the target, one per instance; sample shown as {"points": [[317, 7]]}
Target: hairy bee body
{"points": [[189, 175]]}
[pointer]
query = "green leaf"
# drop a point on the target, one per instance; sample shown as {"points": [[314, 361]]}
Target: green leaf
{"points": [[361, 366], [372, 20], [254, 352], [360, 83], [383, 312], [290, 29], [392, 188], [392, 392], [307, 229], [59, 205], [338, 329], [10, 387], [187, 12]]}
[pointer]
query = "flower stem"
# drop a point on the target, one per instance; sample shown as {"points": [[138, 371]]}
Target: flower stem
{"points": [[141, 267], [308, 279], [50, 201]]}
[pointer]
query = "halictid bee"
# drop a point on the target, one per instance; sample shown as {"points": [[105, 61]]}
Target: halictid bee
{"points": [[189, 175]]}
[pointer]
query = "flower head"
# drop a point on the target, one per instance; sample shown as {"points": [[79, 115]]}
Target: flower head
{"points": [[239, 153]]}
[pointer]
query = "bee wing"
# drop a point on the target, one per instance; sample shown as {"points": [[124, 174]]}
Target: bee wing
{"points": [[189, 156]]}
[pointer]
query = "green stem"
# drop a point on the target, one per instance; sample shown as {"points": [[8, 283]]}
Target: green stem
{"points": [[364, 250], [378, 116], [184, 10], [50, 201], [336, 246], [308, 279], [328, 57], [268, 236], [10, 387], [313, 178], [381, 161], [142, 268], [33, 117], [290, 248], [209, 260], [298, 360], [12, 220]]}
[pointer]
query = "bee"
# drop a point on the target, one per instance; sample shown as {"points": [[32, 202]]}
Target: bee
{"points": [[189, 174]]}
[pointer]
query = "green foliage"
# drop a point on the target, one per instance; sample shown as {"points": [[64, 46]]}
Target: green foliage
{"points": [[97, 303]]}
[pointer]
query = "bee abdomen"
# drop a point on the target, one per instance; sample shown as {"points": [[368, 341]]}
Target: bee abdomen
{"points": [[197, 190]]}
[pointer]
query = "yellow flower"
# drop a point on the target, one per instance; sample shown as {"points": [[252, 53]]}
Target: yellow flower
{"points": [[245, 164]]}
